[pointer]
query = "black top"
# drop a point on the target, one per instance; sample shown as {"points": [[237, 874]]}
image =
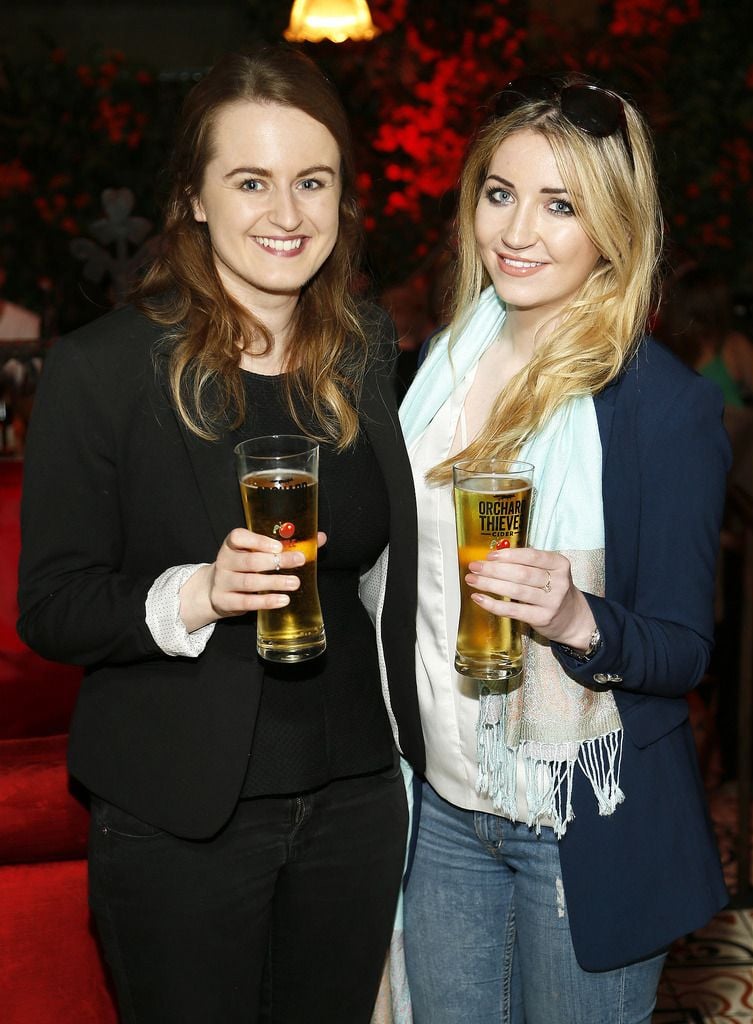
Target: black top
{"points": [[325, 719], [135, 491]]}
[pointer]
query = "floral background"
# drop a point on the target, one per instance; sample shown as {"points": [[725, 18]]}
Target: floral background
{"points": [[72, 129]]}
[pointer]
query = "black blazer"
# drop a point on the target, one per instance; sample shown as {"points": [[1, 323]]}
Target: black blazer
{"points": [[116, 490]]}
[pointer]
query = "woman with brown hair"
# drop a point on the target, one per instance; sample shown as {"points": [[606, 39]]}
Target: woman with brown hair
{"points": [[248, 818]]}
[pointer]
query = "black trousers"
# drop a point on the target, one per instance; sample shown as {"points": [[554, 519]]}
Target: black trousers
{"points": [[284, 917]]}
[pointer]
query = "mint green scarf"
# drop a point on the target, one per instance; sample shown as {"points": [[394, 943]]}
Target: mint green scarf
{"points": [[549, 723]]}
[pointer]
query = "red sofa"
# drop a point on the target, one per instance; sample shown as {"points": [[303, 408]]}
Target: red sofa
{"points": [[51, 971]]}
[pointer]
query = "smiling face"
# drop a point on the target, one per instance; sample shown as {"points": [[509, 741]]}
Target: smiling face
{"points": [[530, 241], [270, 199]]}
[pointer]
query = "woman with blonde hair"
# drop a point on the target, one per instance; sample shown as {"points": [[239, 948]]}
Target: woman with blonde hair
{"points": [[248, 817], [563, 839]]}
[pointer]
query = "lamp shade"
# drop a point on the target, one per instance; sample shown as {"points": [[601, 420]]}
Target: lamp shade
{"points": [[311, 21]]}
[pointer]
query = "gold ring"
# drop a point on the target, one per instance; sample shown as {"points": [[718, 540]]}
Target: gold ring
{"points": [[548, 585], [276, 558]]}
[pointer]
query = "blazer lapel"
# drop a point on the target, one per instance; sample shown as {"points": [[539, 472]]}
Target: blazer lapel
{"points": [[620, 485], [604, 403], [398, 612], [213, 465], [382, 426]]}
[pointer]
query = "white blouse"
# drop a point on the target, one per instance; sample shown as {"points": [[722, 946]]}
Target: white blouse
{"points": [[448, 701], [566, 516]]}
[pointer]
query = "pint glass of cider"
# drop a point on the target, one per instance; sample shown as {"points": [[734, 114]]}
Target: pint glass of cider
{"points": [[278, 477], [492, 504]]}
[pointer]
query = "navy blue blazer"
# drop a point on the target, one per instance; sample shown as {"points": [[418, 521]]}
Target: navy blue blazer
{"points": [[639, 878]]}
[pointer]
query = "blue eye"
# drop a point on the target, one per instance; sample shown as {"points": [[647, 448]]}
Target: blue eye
{"points": [[251, 185], [562, 208], [498, 196], [310, 184]]}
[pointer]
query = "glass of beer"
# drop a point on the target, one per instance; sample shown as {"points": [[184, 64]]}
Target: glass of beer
{"points": [[492, 505], [279, 481]]}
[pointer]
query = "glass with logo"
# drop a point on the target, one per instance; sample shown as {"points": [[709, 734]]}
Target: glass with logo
{"points": [[279, 481], [492, 507]]}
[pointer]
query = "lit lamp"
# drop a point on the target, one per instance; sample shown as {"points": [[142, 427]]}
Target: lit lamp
{"points": [[338, 20]]}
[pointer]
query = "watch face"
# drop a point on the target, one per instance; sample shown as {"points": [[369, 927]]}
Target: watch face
{"points": [[594, 644]]}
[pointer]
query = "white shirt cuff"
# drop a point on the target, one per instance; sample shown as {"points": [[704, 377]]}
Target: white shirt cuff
{"points": [[163, 615]]}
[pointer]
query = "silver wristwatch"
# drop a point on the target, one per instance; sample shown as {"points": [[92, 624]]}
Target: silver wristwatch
{"points": [[593, 645]]}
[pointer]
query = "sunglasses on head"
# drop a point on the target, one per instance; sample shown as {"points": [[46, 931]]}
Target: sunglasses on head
{"points": [[590, 108]]}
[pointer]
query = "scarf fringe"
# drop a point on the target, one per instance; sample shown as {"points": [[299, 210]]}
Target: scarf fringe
{"points": [[601, 759], [548, 780]]}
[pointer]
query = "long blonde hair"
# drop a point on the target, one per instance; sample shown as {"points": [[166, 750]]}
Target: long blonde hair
{"points": [[182, 290], [600, 328]]}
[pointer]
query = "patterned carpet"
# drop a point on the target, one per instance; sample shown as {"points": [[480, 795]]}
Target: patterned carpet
{"points": [[709, 974]]}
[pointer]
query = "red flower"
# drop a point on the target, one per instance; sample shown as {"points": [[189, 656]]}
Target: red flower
{"points": [[43, 209], [14, 177], [397, 202], [653, 18], [388, 21]]}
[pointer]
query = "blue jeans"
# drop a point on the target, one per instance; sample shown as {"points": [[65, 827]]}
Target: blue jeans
{"points": [[487, 937]]}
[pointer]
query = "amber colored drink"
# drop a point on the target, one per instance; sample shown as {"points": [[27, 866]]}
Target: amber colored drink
{"points": [[491, 512], [283, 504]]}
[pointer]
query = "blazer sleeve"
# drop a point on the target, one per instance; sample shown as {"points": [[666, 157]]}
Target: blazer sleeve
{"points": [[76, 602], [657, 632]]}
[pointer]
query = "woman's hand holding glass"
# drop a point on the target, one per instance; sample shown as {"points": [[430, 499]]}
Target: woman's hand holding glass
{"points": [[540, 592], [248, 575]]}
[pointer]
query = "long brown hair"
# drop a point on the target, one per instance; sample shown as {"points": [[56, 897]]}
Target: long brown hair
{"points": [[182, 290], [618, 207]]}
